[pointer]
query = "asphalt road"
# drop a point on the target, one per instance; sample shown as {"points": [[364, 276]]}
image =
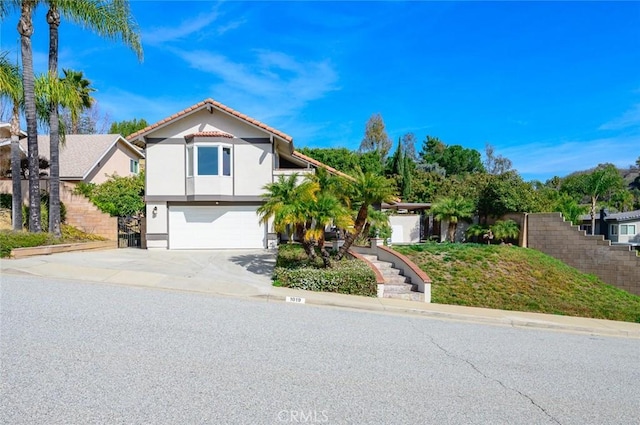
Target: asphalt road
{"points": [[76, 353]]}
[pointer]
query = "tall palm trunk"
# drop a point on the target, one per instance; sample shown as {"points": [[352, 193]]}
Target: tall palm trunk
{"points": [[349, 238], [25, 29], [16, 206], [53, 19]]}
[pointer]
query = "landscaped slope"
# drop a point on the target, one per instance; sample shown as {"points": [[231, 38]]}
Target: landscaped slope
{"points": [[513, 278]]}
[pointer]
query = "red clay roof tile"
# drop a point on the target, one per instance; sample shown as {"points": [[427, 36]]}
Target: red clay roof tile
{"points": [[219, 106]]}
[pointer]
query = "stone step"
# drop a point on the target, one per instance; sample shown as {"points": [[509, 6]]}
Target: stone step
{"points": [[382, 265], [411, 296], [390, 272], [396, 285], [396, 280], [397, 288]]}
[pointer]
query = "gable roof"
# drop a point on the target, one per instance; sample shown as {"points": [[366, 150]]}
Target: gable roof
{"points": [[317, 163], [81, 153], [209, 103]]}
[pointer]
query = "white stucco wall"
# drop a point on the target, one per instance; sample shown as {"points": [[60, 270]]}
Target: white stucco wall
{"points": [[204, 121], [165, 169], [116, 161], [253, 166], [405, 228], [156, 223]]}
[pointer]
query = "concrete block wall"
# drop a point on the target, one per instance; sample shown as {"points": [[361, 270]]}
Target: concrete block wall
{"points": [[617, 265], [82, 214]]}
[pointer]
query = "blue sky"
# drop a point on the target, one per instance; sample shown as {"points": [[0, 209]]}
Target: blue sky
{"points": [[553, 86]]}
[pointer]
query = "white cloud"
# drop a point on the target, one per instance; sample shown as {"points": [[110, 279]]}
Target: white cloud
{"points": [[273, 85], [123, 105], [630, 118], [183, 30], [230, 26]]}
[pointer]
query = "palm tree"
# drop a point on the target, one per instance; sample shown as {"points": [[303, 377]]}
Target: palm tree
{"points": [[25, 29], [110, 19], [11, 88], [367, 189], [452, 210], [324, 211], [83, 87], [288, 204], [505, 229], [478, 231]]}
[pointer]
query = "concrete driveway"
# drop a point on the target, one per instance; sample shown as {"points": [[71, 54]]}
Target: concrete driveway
{"points": [[247, 274], [242, 272]]}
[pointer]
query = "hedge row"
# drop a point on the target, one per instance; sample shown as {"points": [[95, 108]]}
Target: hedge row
{"points": [[294, 270]]}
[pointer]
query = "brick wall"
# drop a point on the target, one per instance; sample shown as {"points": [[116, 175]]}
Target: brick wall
{"points": [[82, 214], [617, 265]]}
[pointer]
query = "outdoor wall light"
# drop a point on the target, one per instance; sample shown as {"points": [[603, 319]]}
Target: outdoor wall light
{"points": [[155, 211]]}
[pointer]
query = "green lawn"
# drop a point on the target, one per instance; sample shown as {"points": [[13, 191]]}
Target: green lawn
{"points": [[512, 278]]}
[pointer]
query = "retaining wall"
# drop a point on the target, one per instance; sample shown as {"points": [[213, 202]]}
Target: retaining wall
{"points": [[617, 265]]}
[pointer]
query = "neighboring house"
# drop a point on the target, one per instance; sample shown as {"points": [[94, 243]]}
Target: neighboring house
{"points": [[92, 158], [619, 228], [5, 147], [206, 167]]}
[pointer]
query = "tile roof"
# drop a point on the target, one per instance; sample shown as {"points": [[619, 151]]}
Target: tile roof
{"points": [[210, 134], [219, 106], [80, 152], [320, 164]]}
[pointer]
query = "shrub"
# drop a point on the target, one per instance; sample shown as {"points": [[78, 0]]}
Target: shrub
{"points": [[10, 240], [5, 200], [294, 270], [120, 196], [84, 189], [44, 212]]}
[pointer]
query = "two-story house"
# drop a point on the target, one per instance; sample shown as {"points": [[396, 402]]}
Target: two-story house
{"points": [[206, 167]]}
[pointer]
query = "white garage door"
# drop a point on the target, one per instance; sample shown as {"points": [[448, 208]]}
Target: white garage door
{"points": [[215, 227]]}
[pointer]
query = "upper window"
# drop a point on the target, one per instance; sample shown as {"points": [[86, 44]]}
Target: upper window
{"points": [[212, 160], [133, 166], [208, 160], [627, 229], [189, 161]]}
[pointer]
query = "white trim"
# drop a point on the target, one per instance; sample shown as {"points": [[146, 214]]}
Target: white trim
{"points": [[207, 106], [221, 146]]}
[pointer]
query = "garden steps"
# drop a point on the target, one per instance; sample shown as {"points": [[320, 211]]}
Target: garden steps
{"points": [[396, 285]]}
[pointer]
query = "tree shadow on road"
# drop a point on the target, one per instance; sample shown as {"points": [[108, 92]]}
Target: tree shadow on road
{"points": [[261, 264]]}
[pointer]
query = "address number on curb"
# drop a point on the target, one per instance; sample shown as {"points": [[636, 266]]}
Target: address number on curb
{"points": [[298, 300]]}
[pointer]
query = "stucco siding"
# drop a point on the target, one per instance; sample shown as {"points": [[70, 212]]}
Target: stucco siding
{"points": [[116, 161], [405, 228], [620, 238], [165, 169], [156, 221], [253, 168], [202, 121]]}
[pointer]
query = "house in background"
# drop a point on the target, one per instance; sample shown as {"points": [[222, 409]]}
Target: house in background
{"points": [[205, 170], [5, 147], [92, 158], [619, 228]]}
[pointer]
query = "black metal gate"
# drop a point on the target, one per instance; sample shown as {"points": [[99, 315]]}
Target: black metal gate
{"points": [[129, 232]]}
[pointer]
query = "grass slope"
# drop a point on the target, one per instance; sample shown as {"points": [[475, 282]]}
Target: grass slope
{"points": [[513, 278]]}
